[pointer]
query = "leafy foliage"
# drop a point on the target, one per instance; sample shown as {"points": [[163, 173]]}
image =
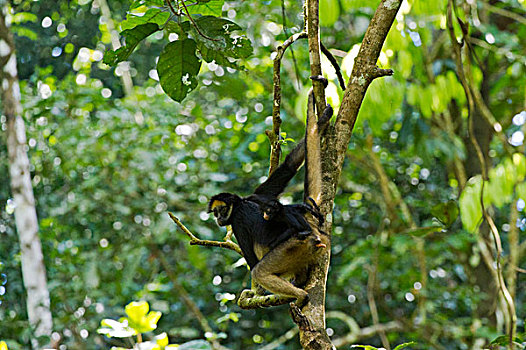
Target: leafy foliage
{"points": [[208, 36]]}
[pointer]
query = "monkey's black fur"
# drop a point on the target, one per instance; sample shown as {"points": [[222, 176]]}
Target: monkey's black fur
{"points": [[288, 219]]}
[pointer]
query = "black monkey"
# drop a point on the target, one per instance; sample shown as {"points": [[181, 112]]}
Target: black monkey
{"points": [[252, 232], [293, 258], [256, 236]]}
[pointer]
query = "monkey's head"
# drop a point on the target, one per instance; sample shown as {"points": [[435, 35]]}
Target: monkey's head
{"points": [[222, 205], [270, 206]]}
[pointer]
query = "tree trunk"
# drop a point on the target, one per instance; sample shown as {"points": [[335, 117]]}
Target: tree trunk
{"points": [[33, 271]]}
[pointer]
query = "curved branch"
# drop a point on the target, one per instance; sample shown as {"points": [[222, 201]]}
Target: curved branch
{"points": [[335, 64], [196, 241]]}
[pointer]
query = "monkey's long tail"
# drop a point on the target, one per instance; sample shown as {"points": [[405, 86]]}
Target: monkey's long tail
{"points": [[312, 154]]}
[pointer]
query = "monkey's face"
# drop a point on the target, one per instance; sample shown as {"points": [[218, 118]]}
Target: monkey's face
{"points": [[222, 212], [222, 206], [270, 210]]}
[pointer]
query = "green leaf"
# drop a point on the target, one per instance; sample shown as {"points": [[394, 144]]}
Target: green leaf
{"points": [[155, 16], [24, 31], [504, 340], [227, 49], [446, 213], [133, 38], [22, 17], [404, 345], [365, 347], [195, 345], [178, 67], [206, 8], [329, 12], [469, 203]]}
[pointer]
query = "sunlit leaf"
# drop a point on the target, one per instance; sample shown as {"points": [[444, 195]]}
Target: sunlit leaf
{"points": [[469, 203], [206, 8], [22, 17], [404, 345], [152, 16]]}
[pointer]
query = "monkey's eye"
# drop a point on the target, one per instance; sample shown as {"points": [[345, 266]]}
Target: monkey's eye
{"points": [[216, 212]]}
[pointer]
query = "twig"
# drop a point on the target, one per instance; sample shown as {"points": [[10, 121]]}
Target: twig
{"points": [[274, 134], [195, 24], [196, 241], [335, 64]]}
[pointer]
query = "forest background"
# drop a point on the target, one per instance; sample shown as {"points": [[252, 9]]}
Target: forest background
{"points": [[111, 154]]}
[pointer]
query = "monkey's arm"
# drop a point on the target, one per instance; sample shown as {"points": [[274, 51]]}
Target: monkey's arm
{"points": [[279, 179]]}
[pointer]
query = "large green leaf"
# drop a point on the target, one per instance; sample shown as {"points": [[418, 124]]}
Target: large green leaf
{"points": [[133, 37], [206, 8], [178, 67]]}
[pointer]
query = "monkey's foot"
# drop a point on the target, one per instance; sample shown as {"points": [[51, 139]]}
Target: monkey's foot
{"points": [[299, 318]]}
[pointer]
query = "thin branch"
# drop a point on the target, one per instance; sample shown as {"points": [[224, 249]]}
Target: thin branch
{"points": [[196, 241], [335, 64], [505, 13], [274, 134]]}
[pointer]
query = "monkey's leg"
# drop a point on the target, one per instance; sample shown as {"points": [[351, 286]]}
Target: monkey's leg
{"points": [[279, 286], [285, 259]]}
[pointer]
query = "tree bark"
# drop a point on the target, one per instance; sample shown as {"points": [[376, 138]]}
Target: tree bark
{"points": [[33, 270]]}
